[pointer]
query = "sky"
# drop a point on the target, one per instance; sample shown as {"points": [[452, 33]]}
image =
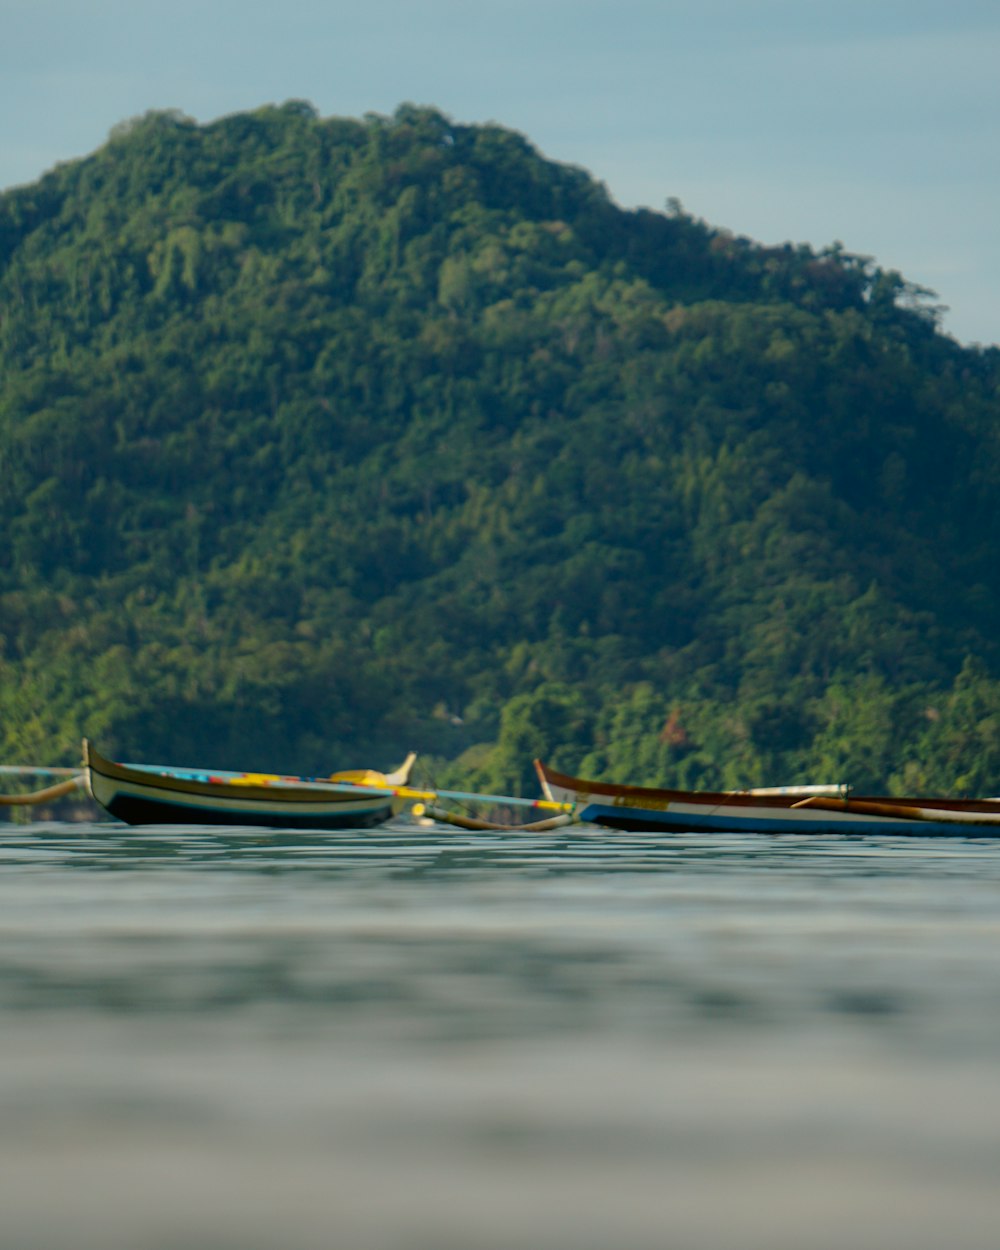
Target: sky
{"points": [[873, 123]]}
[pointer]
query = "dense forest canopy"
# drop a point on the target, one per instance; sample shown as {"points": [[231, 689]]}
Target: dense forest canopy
{"points": [[321, 439]]}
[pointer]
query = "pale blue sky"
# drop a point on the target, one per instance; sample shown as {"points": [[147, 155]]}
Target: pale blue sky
{"points": [[875, 122]]}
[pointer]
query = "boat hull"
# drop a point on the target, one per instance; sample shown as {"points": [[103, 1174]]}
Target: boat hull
{"points": [[640, 820], [141, 797]]}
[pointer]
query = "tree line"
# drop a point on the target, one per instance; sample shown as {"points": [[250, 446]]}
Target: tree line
{"points": [[325, 438]]}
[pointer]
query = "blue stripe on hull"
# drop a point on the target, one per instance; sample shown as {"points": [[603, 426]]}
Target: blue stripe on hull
{"points": [[639, 820]]}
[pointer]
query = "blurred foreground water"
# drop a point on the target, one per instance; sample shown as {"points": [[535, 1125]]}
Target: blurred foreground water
{"points": [[424, 1039]]}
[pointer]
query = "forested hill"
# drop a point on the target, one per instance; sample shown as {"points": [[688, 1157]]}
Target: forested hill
{"points": [[325, 439]]}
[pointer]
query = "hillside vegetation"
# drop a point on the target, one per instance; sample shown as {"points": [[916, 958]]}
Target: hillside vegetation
{"points": [[325, 439]]}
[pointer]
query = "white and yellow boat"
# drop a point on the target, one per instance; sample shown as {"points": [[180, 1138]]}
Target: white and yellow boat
{"points": [[149, 794], [777, 809]]}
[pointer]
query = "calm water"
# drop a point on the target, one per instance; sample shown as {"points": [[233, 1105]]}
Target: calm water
{"points": [[425, 1039]]}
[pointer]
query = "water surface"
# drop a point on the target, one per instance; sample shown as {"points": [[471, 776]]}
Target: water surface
{"points": [[432, 1039]]}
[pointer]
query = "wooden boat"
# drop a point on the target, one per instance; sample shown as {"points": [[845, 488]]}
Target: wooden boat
{"points": [[150, 794], [802, 809]]}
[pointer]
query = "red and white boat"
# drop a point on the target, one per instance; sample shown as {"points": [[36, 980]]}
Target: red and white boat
{"points": [[783, 809]]}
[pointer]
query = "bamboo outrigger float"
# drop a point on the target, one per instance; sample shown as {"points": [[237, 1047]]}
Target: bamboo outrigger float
{"points": [[47, 794]]}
